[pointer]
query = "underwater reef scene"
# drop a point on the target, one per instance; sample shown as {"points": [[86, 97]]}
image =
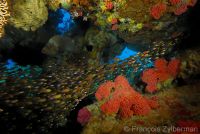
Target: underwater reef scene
{"points": [[99, 66]]}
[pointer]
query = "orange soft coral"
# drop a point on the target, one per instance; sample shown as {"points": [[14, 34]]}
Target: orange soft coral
{"points": [[178, 7], [122, 82], [160, 64], [162, 72], [158, 10], [153, 103], [123, 99], [109, 5], [111, 106], [182, 6], [174, 67], [149, 76], [151, 87], [140, 105], [192, 3], [181, 9], [115, 27], [104, 90], [126, 105], [114, 21]]}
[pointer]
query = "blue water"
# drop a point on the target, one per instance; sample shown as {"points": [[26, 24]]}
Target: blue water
{"points": [[126, 53], [65, 22], [10, 64]]}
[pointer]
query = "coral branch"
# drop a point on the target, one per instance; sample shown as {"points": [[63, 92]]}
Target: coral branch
{"points": [[4, 13]]}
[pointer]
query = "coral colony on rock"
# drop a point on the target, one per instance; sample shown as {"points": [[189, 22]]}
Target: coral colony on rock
{"points": [[99, 66]]}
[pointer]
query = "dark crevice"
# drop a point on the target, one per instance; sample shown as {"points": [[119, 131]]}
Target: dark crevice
{"points": [[191, 39], [72, 126], [89, 48], [24, 55]]}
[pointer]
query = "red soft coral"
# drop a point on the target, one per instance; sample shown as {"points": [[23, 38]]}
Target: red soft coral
{"points": [[125, 107], [182, 6], [151, 87], [188, 123], [115, 27], [104, 90], [160, 64], [174, 67], [163, 71], [149, 75], [109, 5], [111, 106], [175, 2], [122, 82], [140, 105], [123, 99], [192, 2], [193, 127], [181, 9], [114, 21], [163, 75], [153, 103], [158, 10]]}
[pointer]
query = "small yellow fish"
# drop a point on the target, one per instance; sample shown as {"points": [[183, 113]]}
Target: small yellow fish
{"points": [[45, 90], [58, 96], [1, 110]]}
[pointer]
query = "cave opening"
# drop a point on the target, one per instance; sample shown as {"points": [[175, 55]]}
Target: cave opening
{"points": [[24, 55]]}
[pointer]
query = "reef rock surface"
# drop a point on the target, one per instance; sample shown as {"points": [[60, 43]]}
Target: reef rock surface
{"points": [[28, 14]]}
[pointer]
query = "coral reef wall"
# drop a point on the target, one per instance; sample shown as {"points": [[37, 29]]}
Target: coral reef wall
{"points": [[48, 95]]}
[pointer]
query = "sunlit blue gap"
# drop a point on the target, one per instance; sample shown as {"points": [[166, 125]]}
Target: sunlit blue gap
{"points": [[126, 53], [132, 72], [10, 64], [65, 22], [18, 71]]}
